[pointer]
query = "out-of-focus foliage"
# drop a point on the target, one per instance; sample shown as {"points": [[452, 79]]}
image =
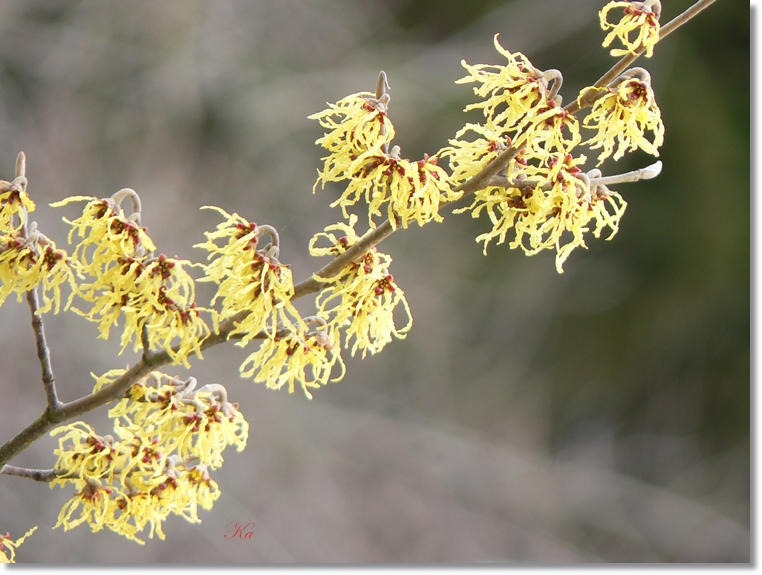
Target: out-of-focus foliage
{"points": [[599, 415]]}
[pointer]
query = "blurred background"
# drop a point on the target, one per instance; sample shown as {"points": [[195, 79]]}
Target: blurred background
{"points": [[602, 415]]}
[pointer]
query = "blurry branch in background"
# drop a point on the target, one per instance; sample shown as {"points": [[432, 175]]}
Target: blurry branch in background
{"points": [[519, 166]]}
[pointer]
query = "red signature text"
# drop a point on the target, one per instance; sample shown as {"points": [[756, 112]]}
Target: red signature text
{"points": [[237, 530]]}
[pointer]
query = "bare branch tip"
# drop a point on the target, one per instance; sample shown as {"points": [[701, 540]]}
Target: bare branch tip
{"points": [[21, 165], [651, 171]]}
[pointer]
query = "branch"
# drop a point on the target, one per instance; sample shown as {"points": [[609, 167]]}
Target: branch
{"points": [[376, 235], [52, 417], [43, 352], [370, 239], [646, 173], [150, 361], [592, 94], [44, 475]]}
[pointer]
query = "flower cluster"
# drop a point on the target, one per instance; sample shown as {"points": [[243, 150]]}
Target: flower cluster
{"points": [[255, 288], [167, 435], [354, 125], [640, 18], [621, 115], [155, 296], [551, 208], [512, 94], [362, 299], [306, 358], [6, 543], [28, 261], [15, 203], [28, 258], [522, 110], [541, 193], [410, 191], [358, 136]]}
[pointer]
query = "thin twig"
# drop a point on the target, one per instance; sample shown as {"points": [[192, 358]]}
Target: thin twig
{"points": [[43, 351], [32, 298], [592, 94], [52, 417], [44, 475], [634, 176]]}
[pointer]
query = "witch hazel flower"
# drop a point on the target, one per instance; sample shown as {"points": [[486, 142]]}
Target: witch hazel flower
{"points": [[361, 301], [28, 259], [638, 29], [191, 422], [254, 287], [306, 359], [106, 232], [8, 546], [402, 190], [621, 115], [15, 203], [122, 278], [511, 91]]}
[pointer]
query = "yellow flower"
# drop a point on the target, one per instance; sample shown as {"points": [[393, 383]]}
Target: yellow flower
{"points": [[7, 543], [14, 201], [126, 485], [622, 115], [178, 418], [642, 18], [522, 109], [251, 281], [97, 507], [144, 499], [83, 455], [510, 91], [358, 142], [197, 489], [168, 434], [155, 294], [469, 156], [363, 298], [550, 209], [357, 124], [180, 490], [28, 262], [148, 501], [545, 132], [366, 307], [110, 292], [104, 227], [163, 303], [305, 359], [411, 191]]}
